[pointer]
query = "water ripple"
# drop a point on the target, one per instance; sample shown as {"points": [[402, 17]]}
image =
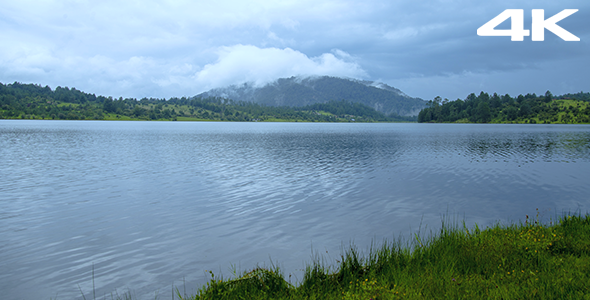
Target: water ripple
{"points": [[146, 204]]}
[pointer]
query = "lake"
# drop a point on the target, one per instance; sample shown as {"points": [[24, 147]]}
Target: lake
{"points": [[148, 206]]}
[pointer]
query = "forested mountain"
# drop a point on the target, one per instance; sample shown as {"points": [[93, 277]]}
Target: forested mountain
{"points": [[30, 101], [546, 109], [298, 92]]}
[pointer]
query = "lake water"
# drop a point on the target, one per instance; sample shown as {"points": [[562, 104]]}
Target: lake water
{"points": [[151, 205]]}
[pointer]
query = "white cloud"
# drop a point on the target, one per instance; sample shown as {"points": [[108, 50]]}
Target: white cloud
{"points": [[174, 48], [247, 63], [144, 76], [136, 76]]}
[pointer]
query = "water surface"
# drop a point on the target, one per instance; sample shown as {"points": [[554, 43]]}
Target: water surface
{"points": [[148, 205]]}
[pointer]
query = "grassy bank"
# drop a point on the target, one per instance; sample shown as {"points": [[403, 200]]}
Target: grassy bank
{"points": [[525, 261]]}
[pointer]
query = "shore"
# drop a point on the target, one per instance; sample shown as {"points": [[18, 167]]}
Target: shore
{"points": [[525, 261]]}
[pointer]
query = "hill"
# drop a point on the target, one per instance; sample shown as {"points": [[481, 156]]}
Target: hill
{"points": [[30, 101], [529, 109], [298, 92]]}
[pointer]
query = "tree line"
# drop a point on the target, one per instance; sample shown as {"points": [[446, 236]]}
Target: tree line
{"points": [[530, 108], [31, 101]]}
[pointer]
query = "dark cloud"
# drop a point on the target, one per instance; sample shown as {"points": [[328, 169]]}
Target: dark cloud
{"points": [[165, 49]]}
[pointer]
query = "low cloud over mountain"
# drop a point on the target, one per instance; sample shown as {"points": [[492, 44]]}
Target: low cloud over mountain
{"points": [[301, 91]]}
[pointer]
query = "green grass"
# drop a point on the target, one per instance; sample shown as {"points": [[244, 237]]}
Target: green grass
{"points": [[525, 261], [116, 117], [191, 119], [564, 116]]}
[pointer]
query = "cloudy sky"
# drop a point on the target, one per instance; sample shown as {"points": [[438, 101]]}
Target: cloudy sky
{"points": [[181, 48]]}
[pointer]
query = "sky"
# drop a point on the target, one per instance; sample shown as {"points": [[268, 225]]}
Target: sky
{"points": [[169, 49]]}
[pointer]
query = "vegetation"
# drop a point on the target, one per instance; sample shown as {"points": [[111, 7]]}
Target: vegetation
{"points": [[577, 96], [531, 109], [300, 92], [29, 101], [525, 261]]}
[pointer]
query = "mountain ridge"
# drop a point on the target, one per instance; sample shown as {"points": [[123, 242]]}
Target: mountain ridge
{"points": [[302, 91]]}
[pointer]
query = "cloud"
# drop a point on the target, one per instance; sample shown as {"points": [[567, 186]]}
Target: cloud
{"points": [[246, 63], [459, 85], [159, 48], [136, 76], [145, 76]]}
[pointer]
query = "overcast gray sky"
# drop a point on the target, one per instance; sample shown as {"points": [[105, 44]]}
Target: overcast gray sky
{"points": [[181, 48]]}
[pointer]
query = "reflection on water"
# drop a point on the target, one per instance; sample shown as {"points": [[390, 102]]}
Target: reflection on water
{"points": [[146, 204]]}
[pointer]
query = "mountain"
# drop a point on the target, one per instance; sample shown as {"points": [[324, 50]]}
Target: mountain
{"points": [[31, 101], [297, 92]]}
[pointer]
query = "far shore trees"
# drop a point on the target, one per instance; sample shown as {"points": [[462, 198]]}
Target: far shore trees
{"points": [[529, 108]]}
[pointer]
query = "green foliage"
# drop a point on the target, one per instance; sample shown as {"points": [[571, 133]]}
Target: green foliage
{"points": [[531, 108], [28, 101], [577, 96], [525, 261], [483, 113], [259, 284]]}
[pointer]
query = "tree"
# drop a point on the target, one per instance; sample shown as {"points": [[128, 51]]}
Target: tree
{"points": [[437, 100], [548, 96], [483, 113], [525, 110], [511, 113], [496, 102], [108, 105]]}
